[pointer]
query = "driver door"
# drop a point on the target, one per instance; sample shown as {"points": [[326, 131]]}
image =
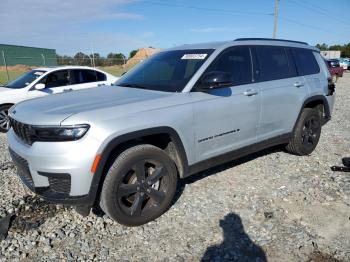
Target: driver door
{"points": [[227, 118], [55, 82]]}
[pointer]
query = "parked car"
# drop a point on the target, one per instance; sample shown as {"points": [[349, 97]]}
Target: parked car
{"points": [[181, 111], [344, 63], [335, 69], [44, 81]]}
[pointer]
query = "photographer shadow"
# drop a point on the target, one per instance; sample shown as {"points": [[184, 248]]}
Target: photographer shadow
{"points": [[237, 246]]}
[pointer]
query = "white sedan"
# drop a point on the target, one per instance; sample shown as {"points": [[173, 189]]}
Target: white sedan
{"points": [[45, 81]]}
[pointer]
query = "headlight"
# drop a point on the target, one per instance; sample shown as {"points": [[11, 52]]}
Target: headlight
{"points": [[59, 133]]}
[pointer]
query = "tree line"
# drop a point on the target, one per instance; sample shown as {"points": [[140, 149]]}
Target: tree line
{"points": [[344, 49], [83, 59]]}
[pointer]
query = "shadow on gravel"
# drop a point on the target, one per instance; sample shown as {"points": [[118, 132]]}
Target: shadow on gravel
{"points": [[237, 246]]}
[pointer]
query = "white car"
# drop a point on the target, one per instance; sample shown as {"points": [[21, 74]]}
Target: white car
{"points": [[45, 81]]}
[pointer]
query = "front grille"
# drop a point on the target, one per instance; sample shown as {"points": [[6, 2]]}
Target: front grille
{"points": [[23, 170], [23, 131]]}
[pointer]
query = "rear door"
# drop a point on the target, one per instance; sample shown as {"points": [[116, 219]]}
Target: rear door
{"points": [[309, 70], [282, 91], [87, 78]]}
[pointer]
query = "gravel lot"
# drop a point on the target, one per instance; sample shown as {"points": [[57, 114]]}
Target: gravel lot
{"points": [[273, 205]]}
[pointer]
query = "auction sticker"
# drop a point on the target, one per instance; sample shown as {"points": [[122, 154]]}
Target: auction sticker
{"points": [[194, 56]]}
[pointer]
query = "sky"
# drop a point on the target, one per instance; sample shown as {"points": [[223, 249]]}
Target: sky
{"points": [[105, 26]]}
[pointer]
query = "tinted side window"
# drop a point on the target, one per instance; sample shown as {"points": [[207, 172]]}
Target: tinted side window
{"points": [[306, 62], [88, 76], [56, 79], [237, 61], [274, 63], [101, 76]]}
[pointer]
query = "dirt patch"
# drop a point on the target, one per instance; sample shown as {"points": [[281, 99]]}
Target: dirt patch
{"points": [[32, 213], [318, 256], [6, 166], [16, 68], [141, 55]]}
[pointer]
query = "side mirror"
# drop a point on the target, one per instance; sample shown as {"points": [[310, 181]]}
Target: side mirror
{"points": [[39, 86], [215, 79]]}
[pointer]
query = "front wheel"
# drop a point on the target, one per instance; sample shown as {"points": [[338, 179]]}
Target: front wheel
{"points": [[306, 133], [139, 186], [4, 118]]}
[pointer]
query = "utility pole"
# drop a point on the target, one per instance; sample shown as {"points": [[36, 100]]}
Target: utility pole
{"points": [[275, 19]]}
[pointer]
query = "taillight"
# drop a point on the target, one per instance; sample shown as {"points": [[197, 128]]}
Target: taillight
{"points": [[331, 86]]}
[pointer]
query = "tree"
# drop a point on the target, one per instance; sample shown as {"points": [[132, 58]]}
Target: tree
{"points": [[132, 53], [322, 47], [64, 60], [344, 49], [82, 59], [116, 59]]}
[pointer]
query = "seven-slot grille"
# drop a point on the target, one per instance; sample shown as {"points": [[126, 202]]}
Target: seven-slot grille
{"points": [[23, 131]]}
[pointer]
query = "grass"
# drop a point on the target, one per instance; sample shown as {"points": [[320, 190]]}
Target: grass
{"points": [[13, 74]]}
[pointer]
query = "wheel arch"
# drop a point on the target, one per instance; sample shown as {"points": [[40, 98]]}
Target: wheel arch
{"points": [[7, 104], [313, 102], [158, 136]]}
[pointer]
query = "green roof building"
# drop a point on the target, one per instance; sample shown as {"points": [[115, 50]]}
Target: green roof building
{"points": [[11, 55]]}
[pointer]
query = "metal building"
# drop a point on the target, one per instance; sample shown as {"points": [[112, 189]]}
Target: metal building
{"points": [[11, 55], [330, 54]]}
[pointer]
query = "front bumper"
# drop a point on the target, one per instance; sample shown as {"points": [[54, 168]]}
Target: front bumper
{"points": [[58, 172]]}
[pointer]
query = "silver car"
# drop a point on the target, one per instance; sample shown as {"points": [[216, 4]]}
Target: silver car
{"points": [[179, 112]]}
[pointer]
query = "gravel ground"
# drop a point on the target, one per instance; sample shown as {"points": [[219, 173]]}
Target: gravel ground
{"points": [[273, 205]]}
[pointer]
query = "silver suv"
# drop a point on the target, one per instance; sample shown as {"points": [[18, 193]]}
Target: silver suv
{"points": [[183, 110]]}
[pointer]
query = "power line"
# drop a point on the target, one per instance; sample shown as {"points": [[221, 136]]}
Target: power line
{"points": [[204, 8], [318, 10], [236, 12], [310, 26]]}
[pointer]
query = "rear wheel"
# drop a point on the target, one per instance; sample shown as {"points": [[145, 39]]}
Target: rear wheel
{"points": [[307, 132], [139, 186], [4, 118]]}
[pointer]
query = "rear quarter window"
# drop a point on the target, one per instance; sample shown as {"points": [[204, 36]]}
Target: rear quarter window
{"points": [[88, 76], [274, 63], [305, 61]]}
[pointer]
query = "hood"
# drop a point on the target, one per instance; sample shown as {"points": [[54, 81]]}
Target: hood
{"points": [[53, 109], [4, 89]]}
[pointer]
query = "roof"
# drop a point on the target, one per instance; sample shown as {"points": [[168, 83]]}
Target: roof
{"points": [[64, 67], [245, 41]]}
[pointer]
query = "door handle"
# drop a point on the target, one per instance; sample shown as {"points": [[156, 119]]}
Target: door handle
{"points": [[298, 84], [68, 90], [250, 92]]}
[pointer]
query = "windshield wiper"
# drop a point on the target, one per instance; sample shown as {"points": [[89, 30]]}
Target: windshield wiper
{"points": [[134, 86]]}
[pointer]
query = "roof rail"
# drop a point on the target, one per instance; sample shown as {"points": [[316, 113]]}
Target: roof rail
{"points": [[271, 39]]}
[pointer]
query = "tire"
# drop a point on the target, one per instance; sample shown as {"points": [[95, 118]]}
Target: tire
{"points": [[4, 120], [306, 134], [139, 186]]}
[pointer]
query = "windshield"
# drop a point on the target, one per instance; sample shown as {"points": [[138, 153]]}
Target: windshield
{"points": [[25, 79], [167, 71]]}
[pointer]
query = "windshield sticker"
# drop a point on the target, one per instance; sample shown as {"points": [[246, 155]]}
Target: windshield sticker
{"points": [[194, 56], [38, 73]]}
